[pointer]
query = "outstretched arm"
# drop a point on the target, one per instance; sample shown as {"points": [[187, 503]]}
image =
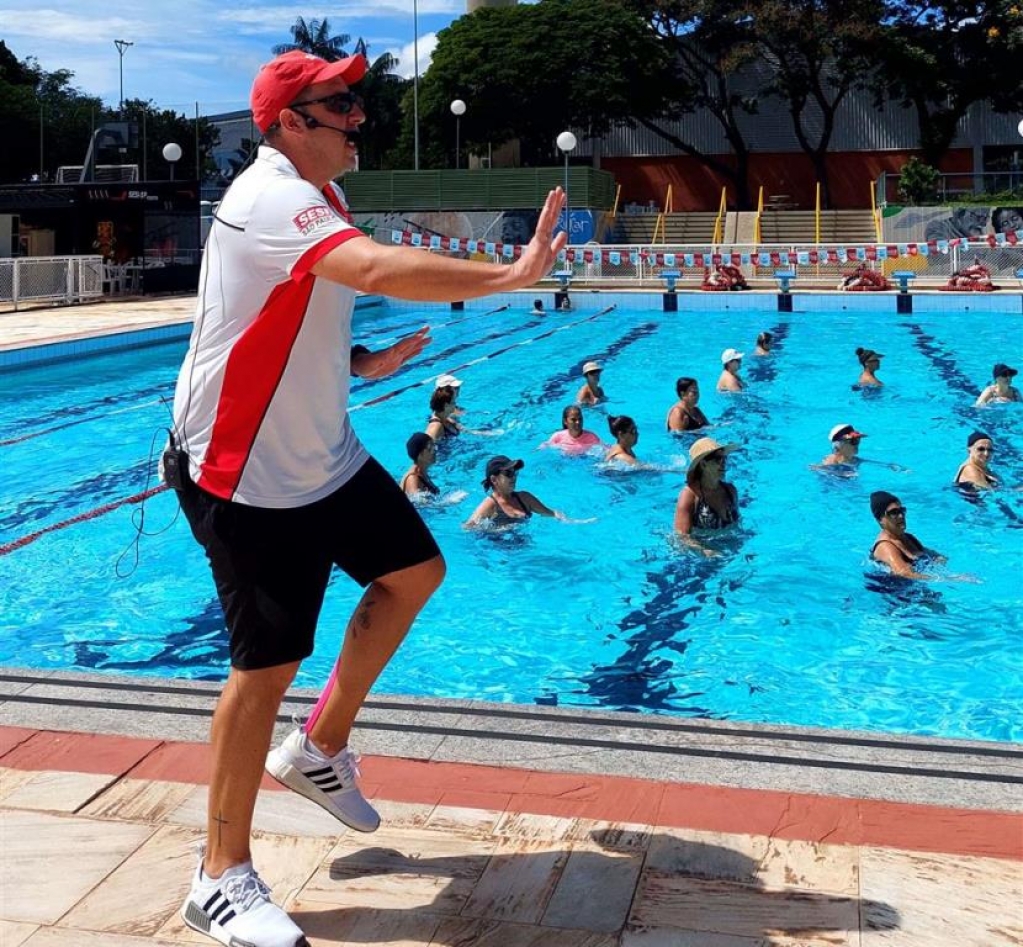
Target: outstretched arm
{"points": [[409, 273]]}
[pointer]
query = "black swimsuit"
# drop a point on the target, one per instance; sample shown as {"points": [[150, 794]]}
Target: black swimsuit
{"points": [[992, 480], [503, 519], [706, 517], [690, 421], [450, 428], [428, 485]]}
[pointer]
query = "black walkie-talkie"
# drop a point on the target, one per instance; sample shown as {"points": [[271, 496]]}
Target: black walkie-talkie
{"points": [[174, 464]]}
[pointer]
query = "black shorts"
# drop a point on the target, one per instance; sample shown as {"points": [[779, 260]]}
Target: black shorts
{"points": [[271, 566]]}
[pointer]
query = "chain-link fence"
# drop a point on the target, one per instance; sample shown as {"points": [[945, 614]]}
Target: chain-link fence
{"points": [[51, 279]]}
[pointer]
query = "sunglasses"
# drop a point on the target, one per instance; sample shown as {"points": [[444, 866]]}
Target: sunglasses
{"points": [[714, 459], [510, 474], [896, 511], [984, 450], [340, 103]]}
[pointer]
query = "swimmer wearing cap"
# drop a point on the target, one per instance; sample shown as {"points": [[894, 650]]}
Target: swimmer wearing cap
{"points": [[1003, 391], [731, 362], [505, 505], [974, 473], [870, 362], [845, 446], [591, 392], [894, 546]]}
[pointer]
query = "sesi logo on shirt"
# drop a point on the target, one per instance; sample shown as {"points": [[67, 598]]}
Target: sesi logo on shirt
{"points": [[313, 218]]}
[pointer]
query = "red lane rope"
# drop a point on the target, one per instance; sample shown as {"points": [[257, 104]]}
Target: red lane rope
{"points": [[90, 515]]}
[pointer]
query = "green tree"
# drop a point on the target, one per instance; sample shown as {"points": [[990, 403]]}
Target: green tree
{"points": [[529, 72], [158, 127], [43, 112], [943, 56], [314, 37], [708, 44], [818, 52]]}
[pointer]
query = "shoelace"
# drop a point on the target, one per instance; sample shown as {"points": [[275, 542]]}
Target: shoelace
{"points": [[347, 761], [245, 890]]}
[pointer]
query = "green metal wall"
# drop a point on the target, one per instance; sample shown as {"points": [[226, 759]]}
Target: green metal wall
{"points": [[495, 189]]}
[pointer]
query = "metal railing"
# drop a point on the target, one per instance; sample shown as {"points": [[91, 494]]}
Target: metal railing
{"points": [[54, 279], [646, 263]]}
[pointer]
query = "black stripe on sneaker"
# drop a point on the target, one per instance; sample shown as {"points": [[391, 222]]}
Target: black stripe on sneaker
{"points": [[212, 900], [227, 917], [219, 909], [324, 771]]}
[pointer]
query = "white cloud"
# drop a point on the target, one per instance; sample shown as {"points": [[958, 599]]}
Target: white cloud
{"points": [[271, 19], [406, 56]]}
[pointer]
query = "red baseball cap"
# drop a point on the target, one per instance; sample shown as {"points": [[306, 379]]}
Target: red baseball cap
{"points": [[279, 82]]}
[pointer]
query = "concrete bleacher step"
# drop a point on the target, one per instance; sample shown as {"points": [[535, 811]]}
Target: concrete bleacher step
{"points": [[799, 226]]}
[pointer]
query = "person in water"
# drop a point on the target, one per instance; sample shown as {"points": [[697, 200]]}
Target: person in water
{"points": [[538, 309], [974, 472], [1003, 391], [845, 446], [764, 342], [894, 546], [591, 392], [707, 502], [452, 384], [626, 434], [572, 437], [870, 362], [422, 451], [441, 423], [505, 505], [684, 415], [731, 362]]}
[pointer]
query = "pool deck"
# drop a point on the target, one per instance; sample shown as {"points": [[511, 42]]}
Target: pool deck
{"points": [[503, 825]]}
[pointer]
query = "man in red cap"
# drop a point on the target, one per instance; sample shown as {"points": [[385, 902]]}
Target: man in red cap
{"points": [[273, 480]]}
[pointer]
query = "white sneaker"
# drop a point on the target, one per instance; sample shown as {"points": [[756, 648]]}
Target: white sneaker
{"points": [[329, 783], [236, 910]]}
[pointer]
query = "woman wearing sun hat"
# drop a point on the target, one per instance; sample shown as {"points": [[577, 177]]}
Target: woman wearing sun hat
{"points": [[1002, 391], [707, 501], [505, 505], [731, 362], [591, 392]]}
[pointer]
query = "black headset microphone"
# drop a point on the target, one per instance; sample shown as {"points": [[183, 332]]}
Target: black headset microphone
{"points": [[351, 134]]}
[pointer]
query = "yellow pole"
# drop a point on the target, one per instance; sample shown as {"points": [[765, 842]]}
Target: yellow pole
{"points": [[817, 217], [875, 213], [760, 213], [618, 194], [719, 223]]}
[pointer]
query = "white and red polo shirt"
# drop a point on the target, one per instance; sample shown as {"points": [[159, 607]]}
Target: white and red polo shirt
{"points": [[261, 404]]}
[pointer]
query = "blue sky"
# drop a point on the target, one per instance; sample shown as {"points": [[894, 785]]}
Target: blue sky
{"points": [[201, 50]]}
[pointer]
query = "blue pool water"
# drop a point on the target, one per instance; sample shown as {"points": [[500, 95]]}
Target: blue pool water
{"points": [[792, 625]]}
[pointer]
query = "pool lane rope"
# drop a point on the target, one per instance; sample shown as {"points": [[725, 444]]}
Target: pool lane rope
{"points": [[380, 399], [146, 494], [81, 518]]}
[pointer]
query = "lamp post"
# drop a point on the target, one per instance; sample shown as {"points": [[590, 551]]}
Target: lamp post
{"points": [[458, 110], [122, 45], [171, 154], [415, 83], [567, 143]]}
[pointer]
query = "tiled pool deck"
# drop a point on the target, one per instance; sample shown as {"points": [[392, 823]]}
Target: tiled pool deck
{"points": [[503, 826]]}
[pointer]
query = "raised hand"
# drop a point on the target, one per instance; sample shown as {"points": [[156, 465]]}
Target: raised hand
{"points": [[538, 257]]}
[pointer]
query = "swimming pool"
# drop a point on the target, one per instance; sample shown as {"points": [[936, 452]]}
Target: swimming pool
{"points": [[792, 626]]}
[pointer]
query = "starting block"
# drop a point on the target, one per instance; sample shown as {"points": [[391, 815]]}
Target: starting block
{"points": [[564, 277], [903, 276], [784, 278], [670, 277]]}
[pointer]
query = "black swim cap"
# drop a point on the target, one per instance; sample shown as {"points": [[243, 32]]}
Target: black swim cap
{"points": [[880, 500]]}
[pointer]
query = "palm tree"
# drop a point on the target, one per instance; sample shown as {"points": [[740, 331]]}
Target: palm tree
{"points": [[314, 37]]}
